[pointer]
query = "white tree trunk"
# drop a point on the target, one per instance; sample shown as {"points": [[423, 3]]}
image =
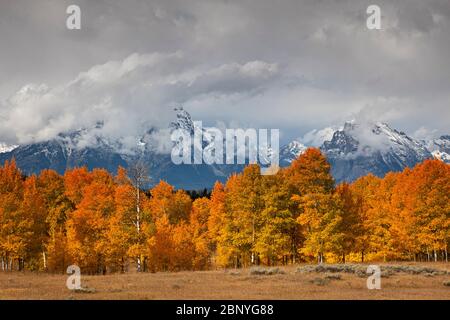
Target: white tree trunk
{"points": [[138, 224], [45, 260], [139, 175], [253, 239]]}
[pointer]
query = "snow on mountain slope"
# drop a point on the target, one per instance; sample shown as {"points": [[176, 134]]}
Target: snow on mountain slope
{"points": [[443, 156], [440, 148], [6, 147]]}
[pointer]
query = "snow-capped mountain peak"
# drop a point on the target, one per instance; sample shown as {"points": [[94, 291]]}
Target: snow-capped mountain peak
{"points": [[184, 121], [353, 150], [291, 151], [362, 148]]}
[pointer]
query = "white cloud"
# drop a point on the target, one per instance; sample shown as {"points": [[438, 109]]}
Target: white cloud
{"points": [[129, 96], [315, 138], [424, 133]]}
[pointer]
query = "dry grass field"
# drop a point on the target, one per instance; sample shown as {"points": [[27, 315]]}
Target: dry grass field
{"points": [[287, 283]]}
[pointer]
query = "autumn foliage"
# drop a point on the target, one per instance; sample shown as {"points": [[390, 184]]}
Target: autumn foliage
{"points": [[109, 224]]}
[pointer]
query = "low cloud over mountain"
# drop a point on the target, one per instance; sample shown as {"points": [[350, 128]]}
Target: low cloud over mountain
{"points": [[354, 150]]}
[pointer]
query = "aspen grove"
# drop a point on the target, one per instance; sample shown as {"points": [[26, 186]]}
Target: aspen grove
{"points": [[105, 223]]}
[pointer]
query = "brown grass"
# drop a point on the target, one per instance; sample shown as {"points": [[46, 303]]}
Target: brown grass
{"points": [[231, 284]]}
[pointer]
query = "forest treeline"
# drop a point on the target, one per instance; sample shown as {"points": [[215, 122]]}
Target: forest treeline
{"points": [[106, 223]]}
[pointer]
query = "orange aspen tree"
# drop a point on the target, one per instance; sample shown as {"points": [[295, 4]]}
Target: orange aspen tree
{"points": [[199, 229], [34, 215], [12, 224], [87, 225]]}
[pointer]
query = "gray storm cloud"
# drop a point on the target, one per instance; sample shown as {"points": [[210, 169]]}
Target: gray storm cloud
{"points": [[296, 65]]}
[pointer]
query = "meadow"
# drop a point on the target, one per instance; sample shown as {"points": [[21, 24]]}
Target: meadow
{"points": [[409, 281]]}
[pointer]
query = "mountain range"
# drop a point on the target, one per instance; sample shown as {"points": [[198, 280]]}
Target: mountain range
{"points": [[353, 151]]}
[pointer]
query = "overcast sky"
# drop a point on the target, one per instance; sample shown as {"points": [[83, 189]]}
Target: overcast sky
{"points": [[289, 64]]}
